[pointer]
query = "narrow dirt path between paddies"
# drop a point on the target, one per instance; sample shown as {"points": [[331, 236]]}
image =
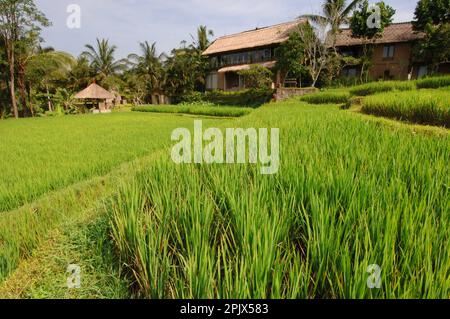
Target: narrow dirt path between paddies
{"points": [[84, 243], [34, 264]]}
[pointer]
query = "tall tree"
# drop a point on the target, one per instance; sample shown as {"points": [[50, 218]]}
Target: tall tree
{"points": [[4, 92], [80, 75], [102, 59], [432, 17], [335, 14], [16, 18], [181, 72], [291, 57], [201, 63], [368, 33], [316, 53], [28, 46], [202, 42], [148, 66], [431, 12], [47, 66]]}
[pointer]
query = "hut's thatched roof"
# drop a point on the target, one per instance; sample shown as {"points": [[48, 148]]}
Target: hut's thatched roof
{"points": [[94, 92], [254, 38]]}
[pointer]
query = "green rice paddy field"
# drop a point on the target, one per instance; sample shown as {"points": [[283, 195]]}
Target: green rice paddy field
{"points": [[103, 193]]}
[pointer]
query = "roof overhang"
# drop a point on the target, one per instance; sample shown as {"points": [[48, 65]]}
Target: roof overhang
{"points": [[242, 67]]}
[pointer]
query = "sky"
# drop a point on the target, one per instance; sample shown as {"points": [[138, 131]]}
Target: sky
{"points": [[168, 22]]}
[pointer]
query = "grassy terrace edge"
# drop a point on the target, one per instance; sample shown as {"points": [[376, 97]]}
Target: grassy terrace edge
{"points": [[425, 101], [215, 111], [430, 107]]}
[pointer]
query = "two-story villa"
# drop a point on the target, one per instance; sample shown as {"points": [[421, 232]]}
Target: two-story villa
{"points": [[232, 53]]}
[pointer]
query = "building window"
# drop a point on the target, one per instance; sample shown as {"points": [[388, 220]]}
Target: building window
{"points": [[212, 81], [388, 51], [245, 57], [350, 72], [241, 82], [423, 71], [348, 53], [214, 62]]}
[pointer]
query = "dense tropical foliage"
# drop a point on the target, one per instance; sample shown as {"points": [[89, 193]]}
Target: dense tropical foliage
{"points": [[433, 18]]}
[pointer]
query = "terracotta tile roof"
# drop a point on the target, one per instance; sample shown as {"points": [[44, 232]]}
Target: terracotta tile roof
{"points": [[94, 92], [396, 32], [252, 39]]}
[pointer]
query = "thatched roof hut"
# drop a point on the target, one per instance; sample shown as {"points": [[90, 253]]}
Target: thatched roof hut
{"points": [[94, 92], [97, 96]]}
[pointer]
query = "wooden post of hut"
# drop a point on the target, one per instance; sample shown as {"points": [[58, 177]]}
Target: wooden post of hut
{"points": [[97, 97]]}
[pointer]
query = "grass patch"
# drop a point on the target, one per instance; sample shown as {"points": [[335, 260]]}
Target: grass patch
{"points": [[433, 82], [379, 87], [217, 111], [328, 97], [422, 107], [84, 242], [363, 194], [350, 192], [47, 154]]}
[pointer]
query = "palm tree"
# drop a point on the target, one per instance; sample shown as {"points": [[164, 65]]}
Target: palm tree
{"points": [[38, 66], [80, 75], [335, 14], [46, 66], [201, 63], [148, 64], [202, 42], [102, 59]]}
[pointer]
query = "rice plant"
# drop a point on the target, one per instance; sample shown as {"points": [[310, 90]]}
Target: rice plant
{"points": [[423, 107], [328, 97], [433, 82], [385, 86], [42, 155], [350, 193], [219, 111]]}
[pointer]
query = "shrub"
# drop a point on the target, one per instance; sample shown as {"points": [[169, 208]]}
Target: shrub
{"points": [[433, 82], [4, 114], [257, 77], [343, 82], [192, 97], [423, 107], [378, 87], [219, 111], [249, 98], [327, 97]]}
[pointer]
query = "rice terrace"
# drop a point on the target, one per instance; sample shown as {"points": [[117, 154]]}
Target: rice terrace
{"points": [[304, 160]]}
